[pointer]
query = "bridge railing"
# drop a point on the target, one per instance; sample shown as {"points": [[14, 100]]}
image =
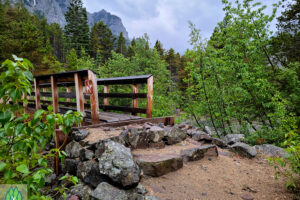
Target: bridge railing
{"points": [[77, 90]]}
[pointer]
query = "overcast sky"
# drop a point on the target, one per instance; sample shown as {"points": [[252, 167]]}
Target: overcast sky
{"points": [[165, 20]]}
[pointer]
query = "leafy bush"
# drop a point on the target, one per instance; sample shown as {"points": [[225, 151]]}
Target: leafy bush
{"points": [[290, 166], [23, 136]]}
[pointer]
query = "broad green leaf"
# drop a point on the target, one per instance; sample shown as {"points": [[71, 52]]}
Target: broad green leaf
{"points": [[2, 166], [23, 169]]}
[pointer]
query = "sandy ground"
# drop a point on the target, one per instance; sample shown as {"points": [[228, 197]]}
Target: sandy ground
{"points": [[225, 177]]}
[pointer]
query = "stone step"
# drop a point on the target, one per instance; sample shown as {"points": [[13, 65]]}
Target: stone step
{"points": [[157, 162]]}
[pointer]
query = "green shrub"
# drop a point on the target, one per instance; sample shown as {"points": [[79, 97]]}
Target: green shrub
{"points": [[23, 136]]}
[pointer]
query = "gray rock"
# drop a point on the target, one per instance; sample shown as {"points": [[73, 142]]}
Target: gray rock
{"points": [[138, 138], [156, 134], [152, 198], [72, 149], [243, 149], [175, 135], [220, 143], [70, 166], [201, 136], [79, 134], [233, 138], [198, 153], [158, 165], [117, 163], [105, 191], [86, 154], [89, 173], [81, 190], [271, 150], [50, 179], [208, 130]]}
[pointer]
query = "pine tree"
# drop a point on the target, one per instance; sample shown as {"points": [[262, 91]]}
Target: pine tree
{"points": [[102, 40], [159, 48], [130, 52], [121, 45], [77, 29]]}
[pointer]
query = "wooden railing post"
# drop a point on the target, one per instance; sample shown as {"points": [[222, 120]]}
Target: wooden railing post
{"points": [[54, 91], [135, 90], [37, 94], [106, 99], [79, 93], [149, 96], [44, 90], [94, 97], [68, 91]]}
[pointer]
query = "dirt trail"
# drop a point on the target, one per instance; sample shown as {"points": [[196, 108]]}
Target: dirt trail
{"points": [[222, 178]]}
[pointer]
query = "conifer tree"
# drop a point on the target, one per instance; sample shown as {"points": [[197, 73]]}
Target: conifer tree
{"points": [[121, 45], [77, 29], [102, 40], [159, 48], [130, 52]]}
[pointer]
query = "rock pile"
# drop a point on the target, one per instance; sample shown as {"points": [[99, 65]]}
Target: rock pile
{"points": [[111, 166]]}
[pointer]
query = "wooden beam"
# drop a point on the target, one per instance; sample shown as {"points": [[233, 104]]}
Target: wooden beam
{"points": [[94, 97], [79, 93], [54, 92], [44, 90], [135, 90], [68, 91], [149, 96], [37, 94], [106, 99], [165, 120], [123, 95]]}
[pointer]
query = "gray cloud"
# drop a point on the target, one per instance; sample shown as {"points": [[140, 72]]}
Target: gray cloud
{"points": [[165, 20]]}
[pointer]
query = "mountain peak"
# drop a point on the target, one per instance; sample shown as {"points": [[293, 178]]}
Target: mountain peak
{"points": [[54, 11]]}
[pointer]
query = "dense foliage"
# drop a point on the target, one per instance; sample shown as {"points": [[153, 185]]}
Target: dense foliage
{"points": [[23, 136]]}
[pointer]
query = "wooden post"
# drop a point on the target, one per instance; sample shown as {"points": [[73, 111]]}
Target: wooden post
{"points": [[135, 90], [68, 91], [37, 94], [54, 91], [106, 100], [94, 97], [149, 96], [79, 93]]}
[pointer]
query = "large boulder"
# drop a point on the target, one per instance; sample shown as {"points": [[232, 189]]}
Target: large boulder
{"points": [[156, 134], [271, 150], [80, 190], [89, 173], [105, 191], [175, 135], [86, 154], [73, 149], [138, 138], [158, 165], [201, 136], [243, 149], [220, 143], [233, 138], [197, 153], [117, 163], [79, 134], [70, 166]]}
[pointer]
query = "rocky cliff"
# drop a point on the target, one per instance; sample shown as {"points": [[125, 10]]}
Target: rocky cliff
{"points": [[54, 11]]}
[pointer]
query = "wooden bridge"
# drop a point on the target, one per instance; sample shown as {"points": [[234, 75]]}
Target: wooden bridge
{"points": [[78, 91]]}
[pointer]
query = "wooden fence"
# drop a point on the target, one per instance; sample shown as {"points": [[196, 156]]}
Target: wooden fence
{"points": [[78, 90]]}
